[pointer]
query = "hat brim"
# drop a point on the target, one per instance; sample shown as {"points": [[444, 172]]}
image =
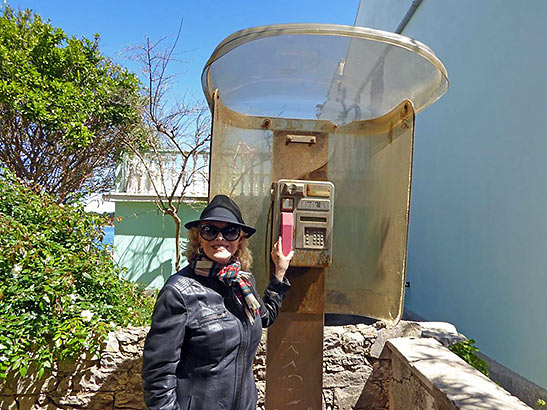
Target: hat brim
{"points": [[249, 230]]}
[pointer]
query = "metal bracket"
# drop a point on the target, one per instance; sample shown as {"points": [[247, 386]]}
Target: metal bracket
{"points": [[301, 139]]}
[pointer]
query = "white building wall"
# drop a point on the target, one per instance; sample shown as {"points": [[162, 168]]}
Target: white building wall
{"points": [[382, 14], [478, 231]]}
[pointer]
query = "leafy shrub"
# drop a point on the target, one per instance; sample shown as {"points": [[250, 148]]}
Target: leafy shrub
{"points": [[467, 351], [60, 291]]}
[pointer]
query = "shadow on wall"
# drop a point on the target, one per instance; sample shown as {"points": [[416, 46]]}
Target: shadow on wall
{"points": [[375, 392], [165, 270], [118, 389], [145, 241], [148, 260], [121, 389]]}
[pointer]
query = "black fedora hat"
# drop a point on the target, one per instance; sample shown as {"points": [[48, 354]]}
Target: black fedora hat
{"points": [[222, 209]]}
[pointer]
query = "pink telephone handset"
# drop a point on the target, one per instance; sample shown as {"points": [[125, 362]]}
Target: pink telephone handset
{"points": [[286, 231]]}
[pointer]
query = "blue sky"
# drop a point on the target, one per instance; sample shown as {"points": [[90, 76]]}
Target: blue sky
{"points": [[206, 23]]}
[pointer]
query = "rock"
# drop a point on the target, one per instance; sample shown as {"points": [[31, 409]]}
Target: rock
{"points": [[328, 399], [129, 400], [125, 337], [402, 329], [78, 365], [98, 380], [333, 352], [7, 402], [26, 402], [445, 333], [89, 401], [64, 384], [132, 349], [134, 381], [352, 341], [346, 397], [112, 361], [345, 378], [112, 344]]}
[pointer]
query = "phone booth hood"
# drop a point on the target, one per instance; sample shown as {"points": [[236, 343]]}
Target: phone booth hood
{"points": [[360, 89]]}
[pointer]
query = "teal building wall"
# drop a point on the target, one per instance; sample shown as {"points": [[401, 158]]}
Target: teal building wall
{"points": [[144, 240]]}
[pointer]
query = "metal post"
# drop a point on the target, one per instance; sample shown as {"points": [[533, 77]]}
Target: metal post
{"points": [[294, 362]]}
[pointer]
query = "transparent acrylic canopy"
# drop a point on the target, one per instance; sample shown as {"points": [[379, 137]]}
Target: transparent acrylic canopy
{"points": [[322, 71], [357, 90]]}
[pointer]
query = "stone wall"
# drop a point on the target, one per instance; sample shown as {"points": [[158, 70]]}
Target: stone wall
{"points": [[113, 380], [356, 372]]}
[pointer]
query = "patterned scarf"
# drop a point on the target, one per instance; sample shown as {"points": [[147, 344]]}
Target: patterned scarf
{"points": [[229, 274]]}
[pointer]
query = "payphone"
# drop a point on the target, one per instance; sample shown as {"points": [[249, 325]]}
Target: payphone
{"points": [[299, 109], [303, 217]]}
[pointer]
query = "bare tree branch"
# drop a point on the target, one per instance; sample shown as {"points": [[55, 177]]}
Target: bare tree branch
{"points": [[176, 128]]}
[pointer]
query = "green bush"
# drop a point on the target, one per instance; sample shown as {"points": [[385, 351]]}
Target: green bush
{"points": [[467, 351], [60, 291]]}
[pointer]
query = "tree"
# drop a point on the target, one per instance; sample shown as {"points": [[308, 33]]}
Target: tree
{"points": [[63, 107], [175, 128]]}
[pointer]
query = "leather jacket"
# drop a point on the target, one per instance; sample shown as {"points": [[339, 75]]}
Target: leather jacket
{"points": [[201, 346]]}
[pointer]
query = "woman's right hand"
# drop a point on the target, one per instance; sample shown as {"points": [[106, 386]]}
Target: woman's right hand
{"points": [[280, 261]]}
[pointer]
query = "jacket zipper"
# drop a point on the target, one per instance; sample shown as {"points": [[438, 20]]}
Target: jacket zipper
{"points": [[211, 317], [241, 362]]}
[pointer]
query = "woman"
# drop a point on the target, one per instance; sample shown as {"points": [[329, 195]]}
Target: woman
{"points": [[208, 318]]}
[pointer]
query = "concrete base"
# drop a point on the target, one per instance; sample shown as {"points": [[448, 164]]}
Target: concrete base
{"points": [[426, 375]]}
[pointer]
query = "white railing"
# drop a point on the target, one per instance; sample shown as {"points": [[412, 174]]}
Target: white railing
{"points": [[161, 174]]}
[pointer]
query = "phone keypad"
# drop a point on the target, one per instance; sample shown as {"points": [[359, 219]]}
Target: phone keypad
{"points": [[314, 238]]}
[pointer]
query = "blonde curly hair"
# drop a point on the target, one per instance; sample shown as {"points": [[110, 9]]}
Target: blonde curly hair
{"points": [[243, 254]]}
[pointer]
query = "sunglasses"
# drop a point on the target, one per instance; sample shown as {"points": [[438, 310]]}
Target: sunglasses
{"points": [[210, 232]]}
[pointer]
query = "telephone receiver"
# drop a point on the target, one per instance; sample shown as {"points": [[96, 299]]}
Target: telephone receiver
{"points": [[287, 230], [303, 217]]}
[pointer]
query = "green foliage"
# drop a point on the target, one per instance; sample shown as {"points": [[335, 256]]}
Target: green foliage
{"points": [[540, 403], [60, 292], [64, 107], [467, 351], [58, 82]]}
